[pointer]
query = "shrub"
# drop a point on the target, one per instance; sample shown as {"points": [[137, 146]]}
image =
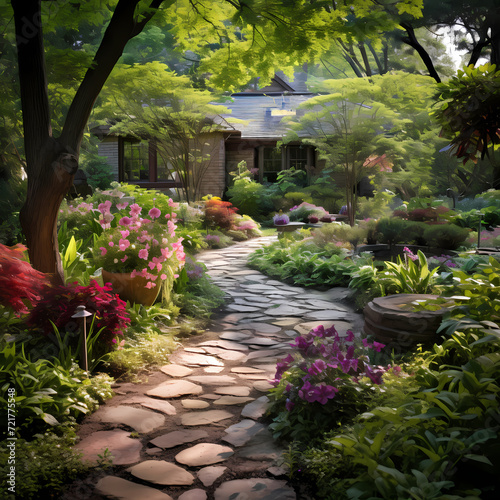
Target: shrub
{"points": [[391, 230], [219, 214], [98, 172], [447, 236], [415, 233], [323, 383], [58, 303]]}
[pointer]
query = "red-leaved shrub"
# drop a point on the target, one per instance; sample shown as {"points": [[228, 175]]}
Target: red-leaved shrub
{"points": [[20, 284], [220, 213]]}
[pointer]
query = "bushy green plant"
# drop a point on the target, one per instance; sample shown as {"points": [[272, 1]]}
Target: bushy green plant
{"points": [[391, 230], [323, 383], [376, 207], [447, 236], [98, 173], [44, 465]]}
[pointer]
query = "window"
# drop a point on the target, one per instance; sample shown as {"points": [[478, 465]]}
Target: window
{"points": [[271, 160], [139, 163]]}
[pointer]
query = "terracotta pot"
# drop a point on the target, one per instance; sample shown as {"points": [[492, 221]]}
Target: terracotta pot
{"points": [[132, 289]]}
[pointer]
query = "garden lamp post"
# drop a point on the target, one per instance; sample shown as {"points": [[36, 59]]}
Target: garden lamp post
{"points": [[83, 314], [479, 230]]}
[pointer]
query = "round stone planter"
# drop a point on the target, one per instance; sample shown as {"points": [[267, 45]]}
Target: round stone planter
{"points": [[131, 289], [393, 320]]}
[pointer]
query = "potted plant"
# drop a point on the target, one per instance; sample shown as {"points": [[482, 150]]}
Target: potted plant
{"points": [[138, 255]]}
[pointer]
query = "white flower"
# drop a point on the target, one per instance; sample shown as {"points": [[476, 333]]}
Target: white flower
{"points": [[115, 261]]}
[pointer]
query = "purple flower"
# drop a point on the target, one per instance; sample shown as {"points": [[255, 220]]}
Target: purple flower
{"points": [[350, 336], [289, 405], [378, 346], [317, 367], [301, 343], [410, 254], [282, 367], [374, 375], [319, 331], [281, 220]]}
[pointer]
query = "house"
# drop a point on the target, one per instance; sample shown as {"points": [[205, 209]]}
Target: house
{"points": [[253, 140]]}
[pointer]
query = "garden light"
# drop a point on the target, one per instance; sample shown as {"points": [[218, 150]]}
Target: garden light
{"points": [[82, 313]]}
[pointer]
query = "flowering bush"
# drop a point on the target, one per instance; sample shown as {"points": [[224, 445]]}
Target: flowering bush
{"points": [[20, 284], [220, 213], [281, 220], [59, 302], [326, 380], [143, 246]]}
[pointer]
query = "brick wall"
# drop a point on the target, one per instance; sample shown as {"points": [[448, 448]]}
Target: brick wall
{"points": [[108, 148]]}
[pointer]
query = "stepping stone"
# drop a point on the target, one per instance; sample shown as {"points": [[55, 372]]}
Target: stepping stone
{"points": [[196, 494], [232, 400], [196, 350], [210, 396], [237, 317], [204, 454], [124, 449], [259, 341], [241, 308], [176, 438], [124, 388], [194, 404], [264, 353], [198, 359], [261, 447], [255, 376], [327, 315], [153, 404], [263, 386], [161, 472], [174, 389], [324, 304], [254, 489], [235, 336], [256, 409], [205, 417], [226, 344], [235, 390], [208, 475], [176, 370], [260, 288], [154, 451], [239, 434], [258, 327], [121, 489], [213, 369], [341, 326], [285, 310], [246, 369], [225, 354], [140, 420], [212, 379]]}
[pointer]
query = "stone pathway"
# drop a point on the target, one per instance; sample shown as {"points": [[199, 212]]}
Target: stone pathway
{"points": [[194, 431]]}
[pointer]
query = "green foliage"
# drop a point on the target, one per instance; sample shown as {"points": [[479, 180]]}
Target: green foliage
{"points": [[99, 175], [44, 465], [409, 276], [391, 230], [47, 394], [445, 236]]}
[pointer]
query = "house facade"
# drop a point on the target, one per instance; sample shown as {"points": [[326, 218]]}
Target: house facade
{"points": [[253, 140]]}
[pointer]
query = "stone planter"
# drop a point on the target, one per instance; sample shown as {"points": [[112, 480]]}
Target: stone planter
{"points": [[131, 289], [393, 320]]}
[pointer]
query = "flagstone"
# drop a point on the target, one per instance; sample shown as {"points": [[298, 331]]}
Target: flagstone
{"points": [[254, 376], [240, 433], [329, 315], [208, 475], [205, 417], [262, 386], [162, 472], [153, 404], [196, 494], [232, 400], [194, 404], [210, 396], [258, 341], [285, 310], [139, 419], [235, 318], [213, 369], [246, 369], [226, 344], [124, 449], [242, 308], [174, 389], [176, 438], [204, 454], [234, 336], [256, 409], [174, 370], [254, 489], [326, 304], [260, 288], [196, 350], [234, 390], [121, 489], [284, 322], [198, 359], [212, 379], [258, 327], [262, 353], [226, 354]]}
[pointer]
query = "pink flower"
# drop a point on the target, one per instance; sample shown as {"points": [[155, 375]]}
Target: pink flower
{"points": [[111, 244], [124, 258], [122, 206], [163, 276], [124, 244], [154, 213], [105, 207], [167, 216], [135, 210], [125, 233], [143, 254], [125, 221], [150, 284], [103, 250]]}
